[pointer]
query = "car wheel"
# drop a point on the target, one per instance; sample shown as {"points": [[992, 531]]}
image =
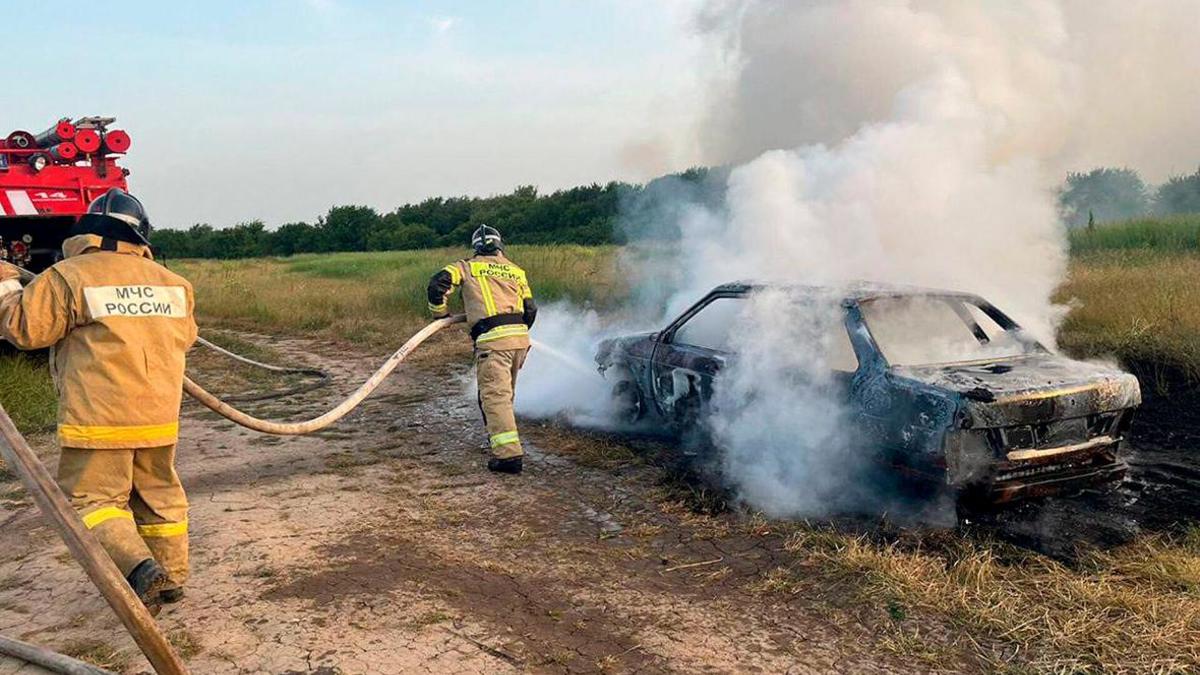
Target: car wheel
{"points": [[628, 405]]}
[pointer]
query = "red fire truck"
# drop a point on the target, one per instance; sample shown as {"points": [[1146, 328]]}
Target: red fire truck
{"points": [[47, 181]]}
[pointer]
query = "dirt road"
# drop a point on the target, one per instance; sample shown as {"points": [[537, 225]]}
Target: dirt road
{"points": [[383, 546]]}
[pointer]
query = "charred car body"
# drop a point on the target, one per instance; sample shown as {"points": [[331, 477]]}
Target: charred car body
{"points": [[943, 386]]}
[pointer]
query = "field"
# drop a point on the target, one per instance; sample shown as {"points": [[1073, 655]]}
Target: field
{"points": [[931, 598], [372, 297]]}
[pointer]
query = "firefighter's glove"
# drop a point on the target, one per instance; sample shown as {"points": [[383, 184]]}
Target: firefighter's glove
{"points": [[10, 279], [439, 286]]}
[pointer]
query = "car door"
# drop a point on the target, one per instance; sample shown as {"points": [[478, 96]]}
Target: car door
{"points": [[688, 355]]}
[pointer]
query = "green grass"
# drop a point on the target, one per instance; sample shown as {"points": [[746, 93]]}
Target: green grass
{"points": [[27, 393], [1172, 234]]}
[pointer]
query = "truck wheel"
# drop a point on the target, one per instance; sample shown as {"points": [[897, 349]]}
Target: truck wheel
{"points": [[628, 406]]}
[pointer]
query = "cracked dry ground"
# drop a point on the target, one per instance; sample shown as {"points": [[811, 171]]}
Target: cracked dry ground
{"points": [[383, 546]]}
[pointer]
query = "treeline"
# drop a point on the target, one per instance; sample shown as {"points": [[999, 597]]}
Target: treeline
{"points": [[581, 215], [1107, 195], [602, 214]]}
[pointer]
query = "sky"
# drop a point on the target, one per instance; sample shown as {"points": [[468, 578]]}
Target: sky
{"points": [[279, 109]]}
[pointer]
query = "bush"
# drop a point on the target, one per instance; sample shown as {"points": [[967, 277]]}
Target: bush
{"points": [[1180, 194], [1102, 195]]}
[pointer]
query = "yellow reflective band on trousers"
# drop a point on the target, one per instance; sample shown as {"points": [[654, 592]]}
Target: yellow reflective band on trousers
{"points": [[505, 438], [163, 529], [154, 434], [500, 332], [95, 518]]}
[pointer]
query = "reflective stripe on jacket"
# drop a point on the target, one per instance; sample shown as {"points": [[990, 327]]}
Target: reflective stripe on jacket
{"points": [[120, 326], [496, 297]]}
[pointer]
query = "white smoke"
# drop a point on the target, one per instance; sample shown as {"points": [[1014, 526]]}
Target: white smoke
{"points": [[787, 444], [910, 142], [1074, 84]]}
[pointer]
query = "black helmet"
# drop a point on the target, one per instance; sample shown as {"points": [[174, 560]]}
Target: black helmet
{"points": [[486, 240], [116, 215]]}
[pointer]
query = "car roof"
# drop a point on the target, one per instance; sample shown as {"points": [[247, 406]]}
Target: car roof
{"points": [[857, 290]]}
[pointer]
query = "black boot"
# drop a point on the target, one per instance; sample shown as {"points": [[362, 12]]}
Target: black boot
{"points": [[511, 465], [147, 581], [171, 595]]}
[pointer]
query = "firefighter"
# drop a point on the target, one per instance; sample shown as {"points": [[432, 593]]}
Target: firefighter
{"points": [[500, 310], [118, 325]]}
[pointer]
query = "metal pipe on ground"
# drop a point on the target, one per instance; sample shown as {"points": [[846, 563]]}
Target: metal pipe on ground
{"points": [[87, 550], [341, 410], [44, 658]]}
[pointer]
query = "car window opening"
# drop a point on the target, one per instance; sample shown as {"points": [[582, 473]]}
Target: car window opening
{"points": [[713, 328], [921, 331]]}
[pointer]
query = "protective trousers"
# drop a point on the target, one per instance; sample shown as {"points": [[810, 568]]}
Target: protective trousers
{"points": [[497, 371], [133, 502]]}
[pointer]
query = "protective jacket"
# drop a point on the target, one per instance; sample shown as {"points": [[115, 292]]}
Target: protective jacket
{"points": [[120, 326], [496, 297]]}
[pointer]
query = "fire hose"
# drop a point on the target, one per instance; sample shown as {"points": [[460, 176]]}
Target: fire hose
{"points": [[344, 408], [338, 412]]}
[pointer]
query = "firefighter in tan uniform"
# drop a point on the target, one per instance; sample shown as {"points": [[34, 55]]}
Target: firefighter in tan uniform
{"points": [[500, 310], [118, 325]]}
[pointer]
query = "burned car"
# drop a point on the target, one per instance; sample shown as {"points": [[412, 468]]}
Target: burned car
{"points": [[942, 386]]}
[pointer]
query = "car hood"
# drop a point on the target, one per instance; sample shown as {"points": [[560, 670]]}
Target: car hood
{"points": [[1030, 388]]}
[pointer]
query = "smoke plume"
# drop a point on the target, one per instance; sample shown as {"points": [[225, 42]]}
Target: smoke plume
{"points": [[910, 142]]}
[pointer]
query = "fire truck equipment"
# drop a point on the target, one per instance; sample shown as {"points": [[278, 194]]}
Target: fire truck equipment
{"points": [[64, 152], [116, 141], [63, 131], [21, 140], [88, 140], [39, 162], [43, 191]]}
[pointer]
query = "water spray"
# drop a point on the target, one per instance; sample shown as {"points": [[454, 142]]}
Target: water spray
{"points": [[579, 366]]}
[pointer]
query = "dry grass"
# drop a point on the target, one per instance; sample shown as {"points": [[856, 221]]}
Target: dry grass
{"points": [[1132, 609], [592, 449], [372, 297], [1137, 306], [185, 643], [98, 653]]}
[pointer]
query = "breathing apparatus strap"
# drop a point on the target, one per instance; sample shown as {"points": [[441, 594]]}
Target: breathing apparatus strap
{"points": [[486, 324]]}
